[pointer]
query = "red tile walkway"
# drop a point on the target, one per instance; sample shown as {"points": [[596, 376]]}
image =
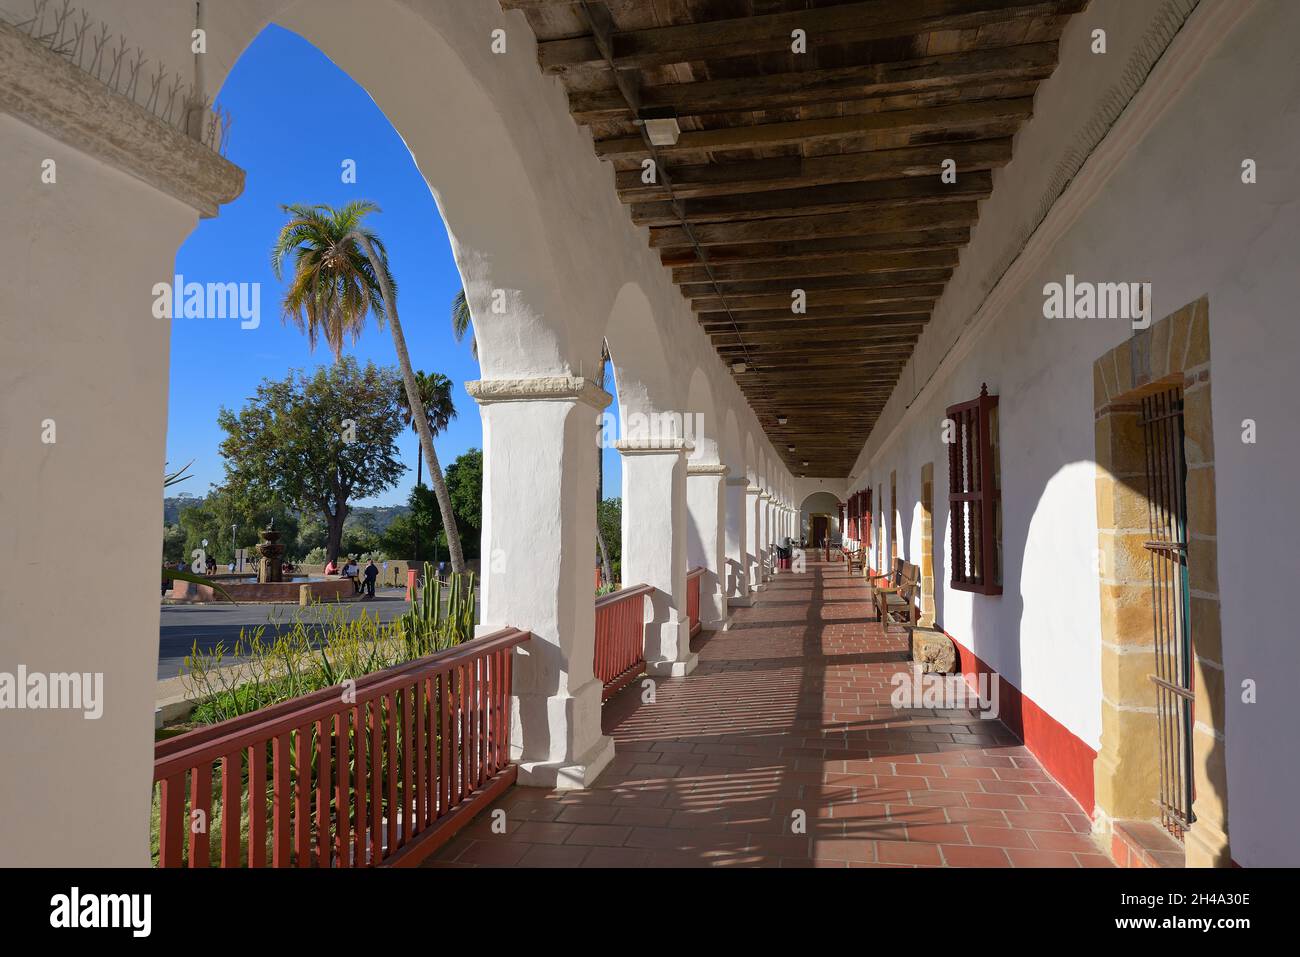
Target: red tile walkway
{"points": [[789, 711]]}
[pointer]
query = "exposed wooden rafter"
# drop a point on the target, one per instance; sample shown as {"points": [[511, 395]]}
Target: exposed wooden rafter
{"points": [[801, 209]]}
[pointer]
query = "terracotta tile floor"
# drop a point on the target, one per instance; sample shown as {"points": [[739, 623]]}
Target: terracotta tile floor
{"points": [[789, 711]]}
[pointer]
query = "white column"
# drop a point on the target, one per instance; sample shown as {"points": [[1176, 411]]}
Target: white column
{"points": [[539, 526], [753, 554], [83, 419], [706, 502], [765, 535], [654, 546], [737, 564]]}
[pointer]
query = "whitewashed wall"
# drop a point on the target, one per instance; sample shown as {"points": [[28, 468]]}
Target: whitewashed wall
{"points": [[1176, 214]]}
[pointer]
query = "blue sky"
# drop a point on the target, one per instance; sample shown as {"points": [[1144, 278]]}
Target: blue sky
{"points": [[294, 154]]}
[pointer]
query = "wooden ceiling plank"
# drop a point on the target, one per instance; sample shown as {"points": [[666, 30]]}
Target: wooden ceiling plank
{"points": [[820, 201], [885, 283], [978, 115], [759, 91], [784, 172], [746, 36], [826, 266], [824, 225], [951, 238]]}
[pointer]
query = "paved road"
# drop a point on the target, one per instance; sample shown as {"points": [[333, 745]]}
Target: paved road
{"points": [[209, 625]]}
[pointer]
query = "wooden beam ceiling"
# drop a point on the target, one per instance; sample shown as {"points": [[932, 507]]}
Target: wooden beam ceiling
{"points": [[814, 171]]}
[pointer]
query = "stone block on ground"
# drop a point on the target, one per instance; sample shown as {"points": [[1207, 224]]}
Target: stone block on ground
{"points": [[933, 651]]}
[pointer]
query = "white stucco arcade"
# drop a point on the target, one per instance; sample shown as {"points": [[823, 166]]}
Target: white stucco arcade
{"points": [[1131, 164], [533, 219]]}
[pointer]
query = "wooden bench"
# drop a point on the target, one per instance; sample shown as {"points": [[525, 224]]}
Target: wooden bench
{"points": [[856, 557], [900, 606], [883, 583]]}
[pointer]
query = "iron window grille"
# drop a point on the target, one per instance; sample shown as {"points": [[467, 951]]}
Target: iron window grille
{"points": [[1166, 467], [975, 496]]}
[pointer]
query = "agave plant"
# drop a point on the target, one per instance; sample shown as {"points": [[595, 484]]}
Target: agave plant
{"points": [[425, 628]]}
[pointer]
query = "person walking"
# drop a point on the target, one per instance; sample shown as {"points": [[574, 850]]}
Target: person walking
{"points": [[372, 572]]}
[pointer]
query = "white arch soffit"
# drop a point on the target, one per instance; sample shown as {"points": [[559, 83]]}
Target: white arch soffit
{"points": [[636, 353], [704, 426], [732, 451], [818, 491]]}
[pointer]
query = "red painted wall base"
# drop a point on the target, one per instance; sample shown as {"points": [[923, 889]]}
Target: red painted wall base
{"points": [[1062, 753]]}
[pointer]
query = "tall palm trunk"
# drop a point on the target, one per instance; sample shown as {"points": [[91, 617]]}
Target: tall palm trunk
{"points": [[606, 572], [419, 464], [417, 408]]}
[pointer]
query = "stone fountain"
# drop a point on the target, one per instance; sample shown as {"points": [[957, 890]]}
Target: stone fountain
{"points": [[272, 552]]}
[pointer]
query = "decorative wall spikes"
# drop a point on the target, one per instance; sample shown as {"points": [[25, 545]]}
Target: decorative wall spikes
{"points": [[93, 49]]}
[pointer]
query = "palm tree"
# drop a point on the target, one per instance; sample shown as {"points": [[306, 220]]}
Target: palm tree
{"points": [[460, 321], [606, 572], [340, 273], [439, 409]]}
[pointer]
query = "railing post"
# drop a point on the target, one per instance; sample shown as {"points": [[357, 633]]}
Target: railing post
{"points": [[654, 546], [539, 526]]}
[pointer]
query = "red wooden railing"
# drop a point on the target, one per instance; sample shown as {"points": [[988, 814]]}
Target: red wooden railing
{"points": [[620, 637], [382, 777], [693, 599]]}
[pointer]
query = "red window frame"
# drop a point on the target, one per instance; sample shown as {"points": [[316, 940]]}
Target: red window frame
{"points": [[974, 497]]}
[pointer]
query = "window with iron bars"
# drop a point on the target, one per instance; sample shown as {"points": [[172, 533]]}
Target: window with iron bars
{"points": [[975, 496]]}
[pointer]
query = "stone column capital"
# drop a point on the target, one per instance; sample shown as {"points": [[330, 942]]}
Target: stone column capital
{"points": [[654, 446], [753, 490], [549, 388], [706, 469]]}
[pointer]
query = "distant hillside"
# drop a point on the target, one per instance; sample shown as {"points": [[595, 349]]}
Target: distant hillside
{"points": [[173, 504], [383, 515], [380, 515]]}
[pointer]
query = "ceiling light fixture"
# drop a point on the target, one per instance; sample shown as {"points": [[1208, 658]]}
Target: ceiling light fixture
{"points": [[738, 367], [789, 448], [663, 130], [781, 420]]}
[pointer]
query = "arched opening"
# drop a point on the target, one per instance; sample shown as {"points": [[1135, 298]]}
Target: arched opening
{"points": [[506, 230], [819, 520]]}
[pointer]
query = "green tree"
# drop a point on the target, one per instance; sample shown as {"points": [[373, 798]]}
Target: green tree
{"points": [[465, 486], [174, 544], [439, 409], [226, 506], [609, 518], [465, 482], [340, 276], [317, 442], [312, 533]]}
